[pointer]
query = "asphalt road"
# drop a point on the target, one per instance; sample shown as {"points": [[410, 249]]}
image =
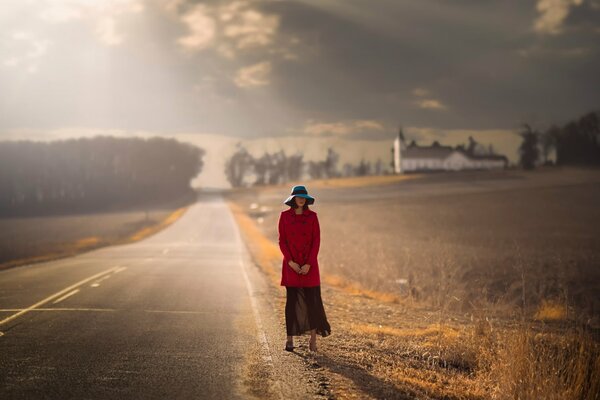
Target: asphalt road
{"points": [[176, 315]]}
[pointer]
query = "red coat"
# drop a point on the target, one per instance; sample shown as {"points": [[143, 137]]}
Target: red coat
{"points": [[299, 240]]}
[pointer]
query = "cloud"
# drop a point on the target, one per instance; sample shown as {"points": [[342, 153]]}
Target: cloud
{"points": [[431, 104], [253, 75], [342, 128], [251, 28], [420, 92], [103, 14], [201, 26], [552, 15], [230, 27], [106, 32], [427, 103], [29, 48]]}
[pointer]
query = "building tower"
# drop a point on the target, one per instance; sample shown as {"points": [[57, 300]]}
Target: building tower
{"points": [[399, 146]]}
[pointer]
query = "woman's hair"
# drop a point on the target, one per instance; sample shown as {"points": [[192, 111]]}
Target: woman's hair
{"points": [[294, 205]]}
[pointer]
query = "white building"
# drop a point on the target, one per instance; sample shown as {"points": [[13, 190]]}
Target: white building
{"points": [[412, 158]]}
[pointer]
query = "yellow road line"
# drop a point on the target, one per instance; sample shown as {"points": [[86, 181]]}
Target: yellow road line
{"points": [[55, 295], [65, 296]]}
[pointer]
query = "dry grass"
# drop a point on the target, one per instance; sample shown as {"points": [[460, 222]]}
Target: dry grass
{"points": [[265, 253], [551, 311], [152, 229], [361, 181], [436, 307], [32, 240], [542, 365]]}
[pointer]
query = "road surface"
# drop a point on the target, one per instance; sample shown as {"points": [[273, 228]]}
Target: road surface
{"points": [[174, 316]]}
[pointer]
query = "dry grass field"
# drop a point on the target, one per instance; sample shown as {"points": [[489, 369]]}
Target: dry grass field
{"points": [[453, 286], [36, 239]]}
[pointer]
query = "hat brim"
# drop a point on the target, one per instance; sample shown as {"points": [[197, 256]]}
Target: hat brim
{"points": [[290, 200]]}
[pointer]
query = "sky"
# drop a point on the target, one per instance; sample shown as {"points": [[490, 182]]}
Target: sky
{"points": [[319, 70]]}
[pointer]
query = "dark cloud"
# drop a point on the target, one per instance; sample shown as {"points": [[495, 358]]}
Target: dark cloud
{"points": [[485, 64]]}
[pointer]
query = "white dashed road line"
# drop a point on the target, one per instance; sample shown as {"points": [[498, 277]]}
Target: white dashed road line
{"points": [[97, 283]]}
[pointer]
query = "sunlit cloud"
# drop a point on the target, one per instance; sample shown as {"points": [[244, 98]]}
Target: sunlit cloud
{"points": [[107, 33], [251, 28], [552, 15], [201, 26], [103, 15], [342, 128], [28, 48], [59, 12], [254, 75], [431, 104], [229, 28], [425, 101]]}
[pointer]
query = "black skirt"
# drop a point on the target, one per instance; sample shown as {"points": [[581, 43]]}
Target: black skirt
{"points": [[304, 311]]}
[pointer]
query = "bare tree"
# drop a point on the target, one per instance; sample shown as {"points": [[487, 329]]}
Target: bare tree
{"points": [[529, 152], [239, 166]]}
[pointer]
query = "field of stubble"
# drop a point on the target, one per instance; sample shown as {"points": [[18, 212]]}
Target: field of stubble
{"points": [[477, 242], [474, 285], [25, 240]]}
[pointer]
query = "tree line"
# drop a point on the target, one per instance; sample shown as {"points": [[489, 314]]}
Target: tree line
{"points": [[89, 174], [575, 143], [276, 168]]}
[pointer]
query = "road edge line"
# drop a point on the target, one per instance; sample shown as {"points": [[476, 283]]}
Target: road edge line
{"points": [[262, 338]]}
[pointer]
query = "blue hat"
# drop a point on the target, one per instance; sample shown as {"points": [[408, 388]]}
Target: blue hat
{"points": [[299, 191]]}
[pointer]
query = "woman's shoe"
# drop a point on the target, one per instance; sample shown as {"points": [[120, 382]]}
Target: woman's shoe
{"points": [[289, 346]]}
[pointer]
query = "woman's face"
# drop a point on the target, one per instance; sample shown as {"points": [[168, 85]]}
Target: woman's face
{"points": [[300, 201]]}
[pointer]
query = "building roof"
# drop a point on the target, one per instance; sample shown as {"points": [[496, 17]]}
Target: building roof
{"points": [[442, 152]]}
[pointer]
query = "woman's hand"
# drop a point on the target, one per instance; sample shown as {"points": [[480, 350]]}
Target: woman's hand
{"points": [[304, 269], [295, 266]]}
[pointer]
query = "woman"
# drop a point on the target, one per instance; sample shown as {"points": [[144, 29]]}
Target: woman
{"points": [[299, 241]]}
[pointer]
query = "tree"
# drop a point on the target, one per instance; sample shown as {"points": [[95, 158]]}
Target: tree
{"points": [[238, 166], [262, 167], [363, 168], [98, 173], [278, 172], [347, 169], [529, 152], [316, 169], [578, 141], [295, 167], [379, 167], [548, 142], [330, 163], [471, 146]]}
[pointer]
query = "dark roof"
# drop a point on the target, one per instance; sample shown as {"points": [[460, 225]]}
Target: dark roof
{"points": [[489, 157], [442, 152], [427, 151]]}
